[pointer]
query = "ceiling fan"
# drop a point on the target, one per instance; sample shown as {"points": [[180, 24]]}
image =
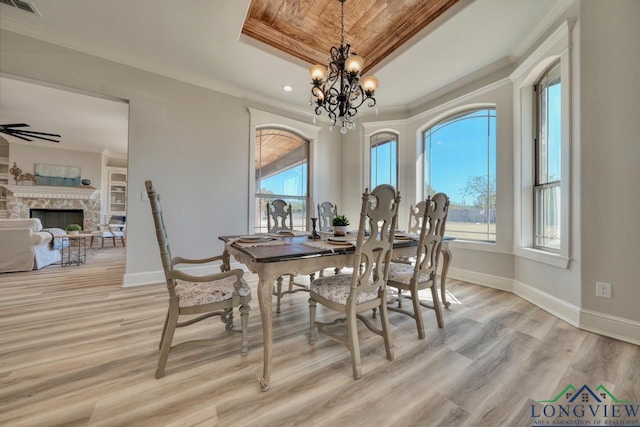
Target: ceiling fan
{"points": [[13, 130]]}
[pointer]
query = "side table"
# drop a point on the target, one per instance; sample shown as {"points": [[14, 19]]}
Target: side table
{"points": [[76, 250]]}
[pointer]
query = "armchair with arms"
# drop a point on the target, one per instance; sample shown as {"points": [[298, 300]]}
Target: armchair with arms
{"points": [[116, 227]]}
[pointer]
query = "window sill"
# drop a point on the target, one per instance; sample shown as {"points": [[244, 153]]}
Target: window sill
{"points": [[556, 260], [479, 246]]}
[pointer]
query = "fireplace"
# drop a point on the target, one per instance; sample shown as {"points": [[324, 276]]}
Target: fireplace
{"points": [[58, 218]]}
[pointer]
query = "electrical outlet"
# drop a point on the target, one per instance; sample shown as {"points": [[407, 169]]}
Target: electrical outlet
{"points": [[144, 196], [603, 290]]}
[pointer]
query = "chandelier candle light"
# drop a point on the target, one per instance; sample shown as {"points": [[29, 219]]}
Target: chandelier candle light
{"points": [[343, 91]]}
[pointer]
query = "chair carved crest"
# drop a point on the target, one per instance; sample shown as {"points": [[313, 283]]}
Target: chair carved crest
{"points": [[279, 216], [326, 212]]}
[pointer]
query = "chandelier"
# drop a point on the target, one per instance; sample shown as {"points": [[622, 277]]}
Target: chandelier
{"points": [[342, 91]]}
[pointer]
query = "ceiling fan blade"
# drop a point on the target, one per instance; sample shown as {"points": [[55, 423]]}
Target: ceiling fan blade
{"points": [[18, 136], [34, 134], [9, 129], [15, 125]]}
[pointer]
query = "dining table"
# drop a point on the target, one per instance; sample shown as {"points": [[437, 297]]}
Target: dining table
{"points": [[272, 256]]}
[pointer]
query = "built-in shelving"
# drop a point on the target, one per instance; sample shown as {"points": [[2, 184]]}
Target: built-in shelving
{"points": [[116, 191]]}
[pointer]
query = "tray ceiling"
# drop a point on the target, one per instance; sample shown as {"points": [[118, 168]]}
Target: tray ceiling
{"points": [[308, 29]]}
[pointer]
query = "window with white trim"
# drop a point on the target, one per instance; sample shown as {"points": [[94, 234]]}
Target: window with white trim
{"points": [[460, 160], [542, 132], [548, 157], [281, 172]]}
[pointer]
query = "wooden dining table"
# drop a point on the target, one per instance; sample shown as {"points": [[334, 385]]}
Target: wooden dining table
{"points": [[299, 255]]}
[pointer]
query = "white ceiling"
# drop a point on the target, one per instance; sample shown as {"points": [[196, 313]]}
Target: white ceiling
{"points": [[85, 123], [198, 41]]}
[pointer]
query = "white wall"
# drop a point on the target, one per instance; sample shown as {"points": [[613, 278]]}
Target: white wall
{"points": [[610, 130], [604, 201], [192, 142]]}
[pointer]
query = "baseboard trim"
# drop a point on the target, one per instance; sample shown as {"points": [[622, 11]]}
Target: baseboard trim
{"points": [[610, 326], [568, 312], [141, 279], [154, 277], [488, 280], [600, 323]]}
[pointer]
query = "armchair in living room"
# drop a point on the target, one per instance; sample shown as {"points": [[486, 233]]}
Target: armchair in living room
{"points": [[115, 228]]}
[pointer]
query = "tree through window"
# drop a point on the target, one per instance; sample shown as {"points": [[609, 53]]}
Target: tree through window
{"points": [[460, 160]]}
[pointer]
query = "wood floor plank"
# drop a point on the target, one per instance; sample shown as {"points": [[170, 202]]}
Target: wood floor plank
{"points": [[77, 349]]}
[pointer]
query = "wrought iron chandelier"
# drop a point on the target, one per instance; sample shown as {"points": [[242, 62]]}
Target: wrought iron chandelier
{"points": [[342, 91]]}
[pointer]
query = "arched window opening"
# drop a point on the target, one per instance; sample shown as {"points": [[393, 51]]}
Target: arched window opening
{"points": [[460, 160], [281, 172]]}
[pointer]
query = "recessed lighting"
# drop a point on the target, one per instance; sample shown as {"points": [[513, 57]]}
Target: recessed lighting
{"points": [[287, 88]]}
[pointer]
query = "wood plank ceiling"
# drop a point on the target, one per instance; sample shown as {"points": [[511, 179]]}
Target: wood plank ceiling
{"points": [[277, 150], [308, 29]]}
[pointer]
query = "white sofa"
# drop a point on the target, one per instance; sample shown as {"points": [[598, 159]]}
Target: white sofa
{"points": [[24, 247]]}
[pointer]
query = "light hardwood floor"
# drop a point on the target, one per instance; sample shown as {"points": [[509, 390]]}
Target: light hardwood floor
{"points": [[77, 349]]}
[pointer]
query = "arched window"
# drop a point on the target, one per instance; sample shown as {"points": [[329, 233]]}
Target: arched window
{"points": [[460, 160], [384, 159], [281, 172]]}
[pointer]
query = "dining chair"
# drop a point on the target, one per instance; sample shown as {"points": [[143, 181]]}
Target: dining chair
{"points": [[422, 273], [365, 287], [326, 212], [279, 219], [279, 216], [210, 295], [115, 228]]}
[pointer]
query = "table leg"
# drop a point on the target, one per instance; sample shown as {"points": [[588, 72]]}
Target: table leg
{"points": [[446, 261], [265, 292]]}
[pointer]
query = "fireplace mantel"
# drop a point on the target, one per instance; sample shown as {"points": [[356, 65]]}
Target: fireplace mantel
{"points": [[47, 192]]}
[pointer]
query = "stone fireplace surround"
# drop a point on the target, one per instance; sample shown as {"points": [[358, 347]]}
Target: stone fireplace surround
{"points": [[20, 199]]}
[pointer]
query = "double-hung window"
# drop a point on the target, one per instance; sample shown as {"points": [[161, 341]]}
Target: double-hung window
{"points": [[281, 172], [548, 156], [460, 160]]}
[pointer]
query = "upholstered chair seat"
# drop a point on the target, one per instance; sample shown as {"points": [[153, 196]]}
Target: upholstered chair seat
{"points": [[191, 294], [337, 288], [403, 273]]}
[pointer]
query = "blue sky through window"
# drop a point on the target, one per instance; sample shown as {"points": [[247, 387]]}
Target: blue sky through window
{"points": [[384, 162], [457, 149], [289, 182]]}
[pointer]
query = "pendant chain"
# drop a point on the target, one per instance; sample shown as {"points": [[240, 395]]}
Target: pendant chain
{"points": [[342, 24]]}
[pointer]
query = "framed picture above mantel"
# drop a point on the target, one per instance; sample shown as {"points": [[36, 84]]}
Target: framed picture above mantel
{"points": [[59, 176]]}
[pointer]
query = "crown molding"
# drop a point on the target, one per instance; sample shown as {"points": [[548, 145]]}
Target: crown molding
{"points": [[543, 25]]}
